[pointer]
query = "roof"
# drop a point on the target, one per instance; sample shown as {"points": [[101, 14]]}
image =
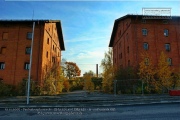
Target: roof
{"points": [[129, 16], [58, 26]]}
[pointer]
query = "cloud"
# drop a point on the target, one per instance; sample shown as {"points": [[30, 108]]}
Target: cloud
{"points": [[90, 55], [84, 39]]}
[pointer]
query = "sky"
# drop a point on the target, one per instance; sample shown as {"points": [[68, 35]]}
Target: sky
{"points": [[86, 24]]}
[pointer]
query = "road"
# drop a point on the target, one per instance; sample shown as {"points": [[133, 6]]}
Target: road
{"points": [[126, 112]]}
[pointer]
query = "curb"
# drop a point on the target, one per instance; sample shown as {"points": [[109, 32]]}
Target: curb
{"points": [[70, 105]]}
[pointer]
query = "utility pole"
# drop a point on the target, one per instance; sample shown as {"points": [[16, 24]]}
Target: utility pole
{"points": [[30, 64]]}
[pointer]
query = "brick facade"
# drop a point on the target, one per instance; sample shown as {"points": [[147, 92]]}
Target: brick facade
{"points": [[15, 52], [127, 40]]}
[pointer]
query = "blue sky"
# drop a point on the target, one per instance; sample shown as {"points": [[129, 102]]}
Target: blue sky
{"points": [[87, 25]]}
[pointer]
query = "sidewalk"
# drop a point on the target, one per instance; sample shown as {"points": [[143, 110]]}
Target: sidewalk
{"points": [[94, 99]]}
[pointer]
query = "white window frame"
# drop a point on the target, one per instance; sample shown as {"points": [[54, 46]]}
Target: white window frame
{"points": [[166, 32], [26, 65], [2, 65], [28, 50], [145, 46], [167, 47], [143, 21], [169, 60], [29, 35], [146, 61], [144, 32]]}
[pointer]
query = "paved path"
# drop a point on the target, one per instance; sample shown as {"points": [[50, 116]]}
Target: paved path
{"points": [[80, 98]]}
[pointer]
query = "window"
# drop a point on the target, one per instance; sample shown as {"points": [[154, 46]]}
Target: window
{"points": [[28, 50], [120, 33], [128, 49], [127, 24], [119, 45], [53, 59], [2, 65], [169, 60], [166, 32], [26, 66], [59, 54], [5, 36], [143, 21], [127, 36], [128, 62], [146, 61], [29, 35], [144, 31], [145, 46], [167, 47], [46, 68], [47, 54], [165, 22], [48, 41], [29, 25], [121, 55], [3, 50]]}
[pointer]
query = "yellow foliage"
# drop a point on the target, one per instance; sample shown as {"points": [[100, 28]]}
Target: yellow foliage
{"points": [[146, 70], [53, 80], [108, 71], [108, 78], [176, 80], [89, 85], [164, 72]]}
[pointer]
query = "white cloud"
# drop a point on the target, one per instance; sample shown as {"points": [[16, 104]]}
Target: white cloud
{"points": [[90, 54]]}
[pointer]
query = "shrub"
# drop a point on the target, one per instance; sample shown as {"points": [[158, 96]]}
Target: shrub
{"points": [[6, 90]]}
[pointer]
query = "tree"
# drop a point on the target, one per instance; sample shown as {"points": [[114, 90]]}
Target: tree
{"points": [[71, 70], [66, 85], [53, 80], [7, 90], [108, 71], [126, 79], [89, 85], [176, 80], [147, 70], [76, 84], [163, 73], [158, 78], [97, 82]]}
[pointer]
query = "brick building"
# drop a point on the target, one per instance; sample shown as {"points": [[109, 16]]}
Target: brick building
{"points": [[15, 48], [132, 35]]}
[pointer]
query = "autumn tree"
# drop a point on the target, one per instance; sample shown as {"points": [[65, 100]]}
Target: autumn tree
{"points": [[97, 82], [108, 71], [176, 80], [66, 85], [88, 84], [164, 73], [53, 80], [71, 70], [147, 70]]}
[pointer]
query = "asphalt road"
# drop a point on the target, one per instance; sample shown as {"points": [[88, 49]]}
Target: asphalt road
{"points": [[126, 112]]}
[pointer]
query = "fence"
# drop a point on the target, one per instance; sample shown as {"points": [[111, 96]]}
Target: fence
{"points": [[128, 86], [137, 86]]}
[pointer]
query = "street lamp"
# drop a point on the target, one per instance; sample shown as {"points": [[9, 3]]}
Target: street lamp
{"points": [[30, 64]]}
